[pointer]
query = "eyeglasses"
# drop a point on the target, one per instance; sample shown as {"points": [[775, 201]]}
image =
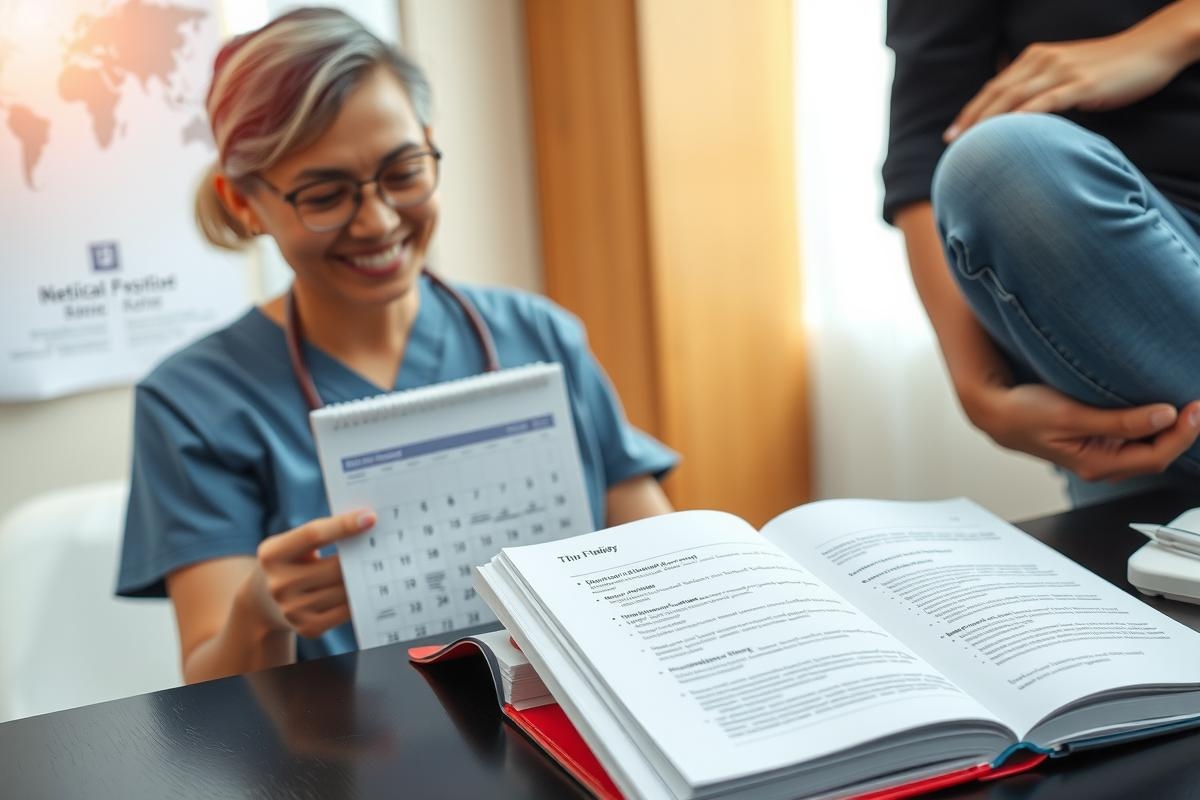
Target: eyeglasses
{"points": [[331, 203]]}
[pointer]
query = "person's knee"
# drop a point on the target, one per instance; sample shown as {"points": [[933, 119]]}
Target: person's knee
{"points": [[1002, 205], [1007, 170]]}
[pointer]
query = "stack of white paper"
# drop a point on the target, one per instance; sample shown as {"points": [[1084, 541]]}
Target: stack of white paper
{"points": [[522, 686]]}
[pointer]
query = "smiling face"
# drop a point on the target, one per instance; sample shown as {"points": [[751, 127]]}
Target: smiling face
{"points": [[376, 257]]}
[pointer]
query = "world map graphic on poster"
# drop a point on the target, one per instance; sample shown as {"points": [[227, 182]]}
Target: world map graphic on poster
{"points": [[102, 56], [103, 137]]}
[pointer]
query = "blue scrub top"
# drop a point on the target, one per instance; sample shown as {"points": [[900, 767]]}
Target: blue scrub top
{"points": [[223, 456]]}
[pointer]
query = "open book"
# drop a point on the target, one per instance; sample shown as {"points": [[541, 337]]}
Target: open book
{"points": [[852, 647]]}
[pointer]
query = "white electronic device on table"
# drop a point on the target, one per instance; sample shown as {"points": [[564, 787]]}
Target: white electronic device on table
{"points": [[1169, 564]]}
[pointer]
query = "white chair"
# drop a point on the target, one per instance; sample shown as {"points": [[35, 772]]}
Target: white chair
{"points": [[65, 640]]}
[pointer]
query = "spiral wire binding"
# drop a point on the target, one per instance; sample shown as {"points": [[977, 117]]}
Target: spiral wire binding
{"points": [[367, 410]]}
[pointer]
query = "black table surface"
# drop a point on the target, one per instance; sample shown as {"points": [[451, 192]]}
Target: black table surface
{"points": [[369, 724]]}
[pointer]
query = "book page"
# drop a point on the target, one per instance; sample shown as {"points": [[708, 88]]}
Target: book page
{"points": [[731, 657], [1019, 625]]}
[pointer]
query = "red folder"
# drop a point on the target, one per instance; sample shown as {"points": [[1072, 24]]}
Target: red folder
{"points": [[547, 725], [550, 729]]}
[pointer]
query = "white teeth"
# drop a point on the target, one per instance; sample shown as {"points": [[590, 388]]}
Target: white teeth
{"points": [[377, 261]]}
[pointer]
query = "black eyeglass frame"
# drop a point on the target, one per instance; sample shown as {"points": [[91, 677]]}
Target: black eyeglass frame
{"points": [[290, 197]]}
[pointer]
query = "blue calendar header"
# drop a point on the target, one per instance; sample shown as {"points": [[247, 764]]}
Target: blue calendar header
{"points": [[379, 457]]}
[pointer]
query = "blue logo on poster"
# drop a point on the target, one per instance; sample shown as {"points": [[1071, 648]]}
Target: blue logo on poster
{"points": [[105, 257]]}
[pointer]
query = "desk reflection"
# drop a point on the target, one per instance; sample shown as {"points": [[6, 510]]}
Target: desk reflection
{"points": [[337, 722]]}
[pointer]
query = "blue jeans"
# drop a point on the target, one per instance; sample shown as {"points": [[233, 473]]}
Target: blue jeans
{"points": [[1083, 273]]}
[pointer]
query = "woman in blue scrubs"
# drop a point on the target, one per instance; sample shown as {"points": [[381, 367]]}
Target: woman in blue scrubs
{"points": [[325, 145]]}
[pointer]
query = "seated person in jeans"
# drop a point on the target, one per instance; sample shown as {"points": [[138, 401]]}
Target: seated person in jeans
{"points": [[1058, 260]]}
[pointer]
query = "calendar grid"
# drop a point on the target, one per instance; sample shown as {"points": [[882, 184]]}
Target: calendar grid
{"points": [[447, 498]]}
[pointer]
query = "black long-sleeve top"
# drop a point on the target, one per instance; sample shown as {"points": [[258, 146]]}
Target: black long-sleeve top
{"points": [[947, 49]]}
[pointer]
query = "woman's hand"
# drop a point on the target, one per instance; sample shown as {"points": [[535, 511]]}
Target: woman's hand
{"points": [[242, 613], [1091, 74], [294, 586], [1094, 443]]}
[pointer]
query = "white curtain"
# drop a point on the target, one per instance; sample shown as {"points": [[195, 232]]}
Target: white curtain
{"points": [[886, 423]]}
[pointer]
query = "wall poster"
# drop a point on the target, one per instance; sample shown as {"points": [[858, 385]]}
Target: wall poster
{"points": [[103, 138]]}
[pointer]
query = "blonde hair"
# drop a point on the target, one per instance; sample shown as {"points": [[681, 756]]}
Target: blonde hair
{"points": [[277, 89]]}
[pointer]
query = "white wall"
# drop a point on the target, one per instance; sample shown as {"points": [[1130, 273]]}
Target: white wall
{"points": [[474, 51], [57, 443]]}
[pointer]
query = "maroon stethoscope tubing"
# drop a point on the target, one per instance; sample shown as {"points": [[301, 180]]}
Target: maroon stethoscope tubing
{"points": [[294, 333]]}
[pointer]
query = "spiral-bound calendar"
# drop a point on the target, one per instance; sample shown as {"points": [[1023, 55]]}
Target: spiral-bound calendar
{"points": [[454, 472]]}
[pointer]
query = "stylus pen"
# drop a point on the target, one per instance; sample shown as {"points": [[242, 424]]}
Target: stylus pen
{"points": [[1176, 539]]}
